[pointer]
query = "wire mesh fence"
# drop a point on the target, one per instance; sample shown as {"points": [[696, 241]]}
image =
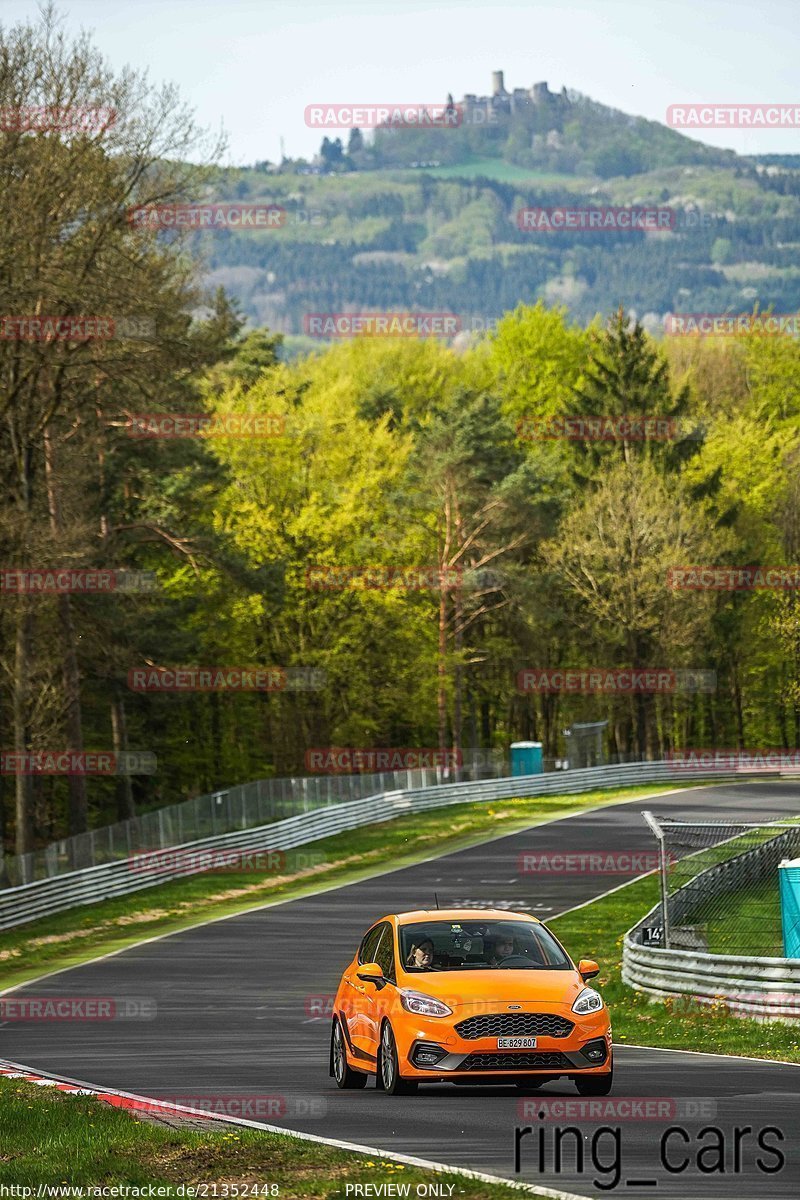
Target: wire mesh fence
{"points": [[243, 806], [720, 891]]}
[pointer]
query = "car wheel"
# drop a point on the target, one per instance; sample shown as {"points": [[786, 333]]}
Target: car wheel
{"points": [[344, 1075], [388, 1077], [595, 1085]]}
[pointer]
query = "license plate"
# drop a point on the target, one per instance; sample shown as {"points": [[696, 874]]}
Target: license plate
{"points": [[516, 1043]]}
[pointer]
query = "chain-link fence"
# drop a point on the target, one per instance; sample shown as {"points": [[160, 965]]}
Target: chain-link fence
{"points": [[243, 806], [719, 885]]}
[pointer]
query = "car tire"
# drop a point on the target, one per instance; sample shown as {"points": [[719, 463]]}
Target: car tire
{"points": [[387, 1077], [344, 1074], [595, 1085]]}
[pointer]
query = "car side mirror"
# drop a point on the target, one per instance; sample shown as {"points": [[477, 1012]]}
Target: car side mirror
{"points": [[587, 969], [371, 973]]}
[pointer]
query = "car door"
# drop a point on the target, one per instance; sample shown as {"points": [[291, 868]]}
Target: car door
{"points": [[358, 1013], [378, 1000]]}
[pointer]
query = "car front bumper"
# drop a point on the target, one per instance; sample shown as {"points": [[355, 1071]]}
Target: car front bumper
{"points": [[431, 1048]]}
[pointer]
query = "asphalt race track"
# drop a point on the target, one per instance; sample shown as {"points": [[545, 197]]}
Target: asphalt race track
{"points": [[236, 1003]]}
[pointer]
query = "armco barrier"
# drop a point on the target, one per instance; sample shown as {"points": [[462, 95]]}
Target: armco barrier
{"points": [[242, 806], [767, 988], [755, 987], [46, 897]]}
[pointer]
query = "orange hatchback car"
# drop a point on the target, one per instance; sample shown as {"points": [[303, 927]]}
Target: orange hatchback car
{"points": [[468, 996]]}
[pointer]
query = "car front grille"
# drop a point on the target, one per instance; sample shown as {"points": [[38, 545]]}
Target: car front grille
{"points": [[528, 1061], [514, 1025]]}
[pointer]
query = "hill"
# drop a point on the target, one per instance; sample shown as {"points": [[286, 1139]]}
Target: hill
{"points": [[428, 220]]}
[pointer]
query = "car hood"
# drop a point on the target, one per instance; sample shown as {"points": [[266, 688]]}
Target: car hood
{"points": [[470, 989]]}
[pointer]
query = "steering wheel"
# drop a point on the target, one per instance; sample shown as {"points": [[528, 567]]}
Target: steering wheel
{"points": [[514, 958]]}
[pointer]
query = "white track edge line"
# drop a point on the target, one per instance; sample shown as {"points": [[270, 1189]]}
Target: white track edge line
{"points": [[781, 1062]]}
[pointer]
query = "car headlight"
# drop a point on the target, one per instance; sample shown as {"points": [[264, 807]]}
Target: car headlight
{"points": [[422, 1005], [589, 1001]]}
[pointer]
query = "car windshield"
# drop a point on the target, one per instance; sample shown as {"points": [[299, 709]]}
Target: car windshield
{"points": [[475, 945]]}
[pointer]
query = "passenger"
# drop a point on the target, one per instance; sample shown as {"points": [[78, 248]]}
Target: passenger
{"points": [[421, 955]]}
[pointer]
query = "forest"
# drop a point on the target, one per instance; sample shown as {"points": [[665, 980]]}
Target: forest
{"points": [[367, 545]]}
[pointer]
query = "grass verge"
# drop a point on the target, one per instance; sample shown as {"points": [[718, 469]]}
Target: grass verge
{"points": [[59, 1140], [597, 931], [749, 923], [77, 935]]}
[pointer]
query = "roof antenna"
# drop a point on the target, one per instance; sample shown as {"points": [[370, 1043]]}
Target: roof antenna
{"points": [[436, 898]]}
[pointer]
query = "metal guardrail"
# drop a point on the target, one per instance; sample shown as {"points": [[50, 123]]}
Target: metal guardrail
{"points": [[750, 986], [46, 897], [241, 806]]}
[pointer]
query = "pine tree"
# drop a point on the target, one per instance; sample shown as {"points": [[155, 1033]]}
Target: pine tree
{"points": [[628, 377]]}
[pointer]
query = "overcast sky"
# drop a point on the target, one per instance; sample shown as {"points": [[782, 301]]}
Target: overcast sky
{"points": [[252, 66]]}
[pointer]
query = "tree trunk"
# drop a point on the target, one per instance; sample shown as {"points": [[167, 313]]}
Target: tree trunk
{"points": [[441, 670], [23, 792], [458, 684], [78, 801], [126, 807]]}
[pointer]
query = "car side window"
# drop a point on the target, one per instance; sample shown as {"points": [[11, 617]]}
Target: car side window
{"points": [[369, 944], [384, 954]]}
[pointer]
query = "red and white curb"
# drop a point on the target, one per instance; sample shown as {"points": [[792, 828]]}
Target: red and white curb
{"points": [[116, 1099], [134, 1103]]}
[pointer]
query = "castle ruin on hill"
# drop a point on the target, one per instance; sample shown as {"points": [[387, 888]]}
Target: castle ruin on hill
{"points": [[520, 100]]}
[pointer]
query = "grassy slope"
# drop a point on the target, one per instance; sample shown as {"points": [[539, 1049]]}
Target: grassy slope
{"points": [[504, 172], [750, 923]]}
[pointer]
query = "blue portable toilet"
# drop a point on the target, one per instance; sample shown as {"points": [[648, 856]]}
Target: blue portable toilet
{"points": [[789, 876], [526, 758]]}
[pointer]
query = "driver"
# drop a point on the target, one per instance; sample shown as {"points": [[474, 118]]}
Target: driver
{"points": [[421, 955], [503, 947]]}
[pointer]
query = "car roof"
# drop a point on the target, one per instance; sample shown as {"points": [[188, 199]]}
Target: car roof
{"points": [[460, 914]]}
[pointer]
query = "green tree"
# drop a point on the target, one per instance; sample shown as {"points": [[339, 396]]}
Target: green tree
{"points": [[627, 376]]}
